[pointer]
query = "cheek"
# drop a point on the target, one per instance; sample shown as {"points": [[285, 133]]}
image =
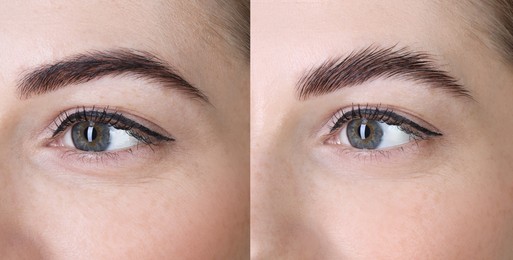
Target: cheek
{"points": [[188, 217], [437, 217]]}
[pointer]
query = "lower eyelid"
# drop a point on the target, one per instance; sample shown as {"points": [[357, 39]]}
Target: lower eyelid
{"points": [[411, 149], [118, 164]]}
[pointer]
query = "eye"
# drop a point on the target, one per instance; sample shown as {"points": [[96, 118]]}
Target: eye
{"points": [[374, 128], [98, 137], [102, 131], [372, 134]]}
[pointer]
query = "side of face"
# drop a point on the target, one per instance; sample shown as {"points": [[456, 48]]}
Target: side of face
{"points": [[444, 197], [188, 199]]}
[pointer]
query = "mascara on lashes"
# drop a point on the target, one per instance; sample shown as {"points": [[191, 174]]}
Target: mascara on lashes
{"points": [[115, 119], [387, 116]]}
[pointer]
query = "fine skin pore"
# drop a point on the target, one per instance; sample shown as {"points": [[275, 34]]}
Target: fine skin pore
{"points": [[446, 197], [182, 199]]}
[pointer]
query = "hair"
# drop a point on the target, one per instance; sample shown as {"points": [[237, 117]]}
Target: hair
{"points": [[502, 26], [228, 20], [236, 22], [494, 20], [223, 24]]}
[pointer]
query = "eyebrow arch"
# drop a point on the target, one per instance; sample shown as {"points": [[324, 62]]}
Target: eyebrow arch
{"points": [[374, 62], [93, 65]]}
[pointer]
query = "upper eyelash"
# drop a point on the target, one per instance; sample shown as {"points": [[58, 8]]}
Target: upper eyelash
{"points": [[115, 119], [385, 115]]}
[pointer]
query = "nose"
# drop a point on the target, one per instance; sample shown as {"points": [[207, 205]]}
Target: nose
{"points": [[16, 240], [280, 226], [269, 212]]}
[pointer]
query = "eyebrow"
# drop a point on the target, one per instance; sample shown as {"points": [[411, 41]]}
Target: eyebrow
{"points": [[372, 63], [94, 65]]}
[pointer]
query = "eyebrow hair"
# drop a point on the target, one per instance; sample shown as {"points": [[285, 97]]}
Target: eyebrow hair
{"points": [[374, 62], [93, 65]]}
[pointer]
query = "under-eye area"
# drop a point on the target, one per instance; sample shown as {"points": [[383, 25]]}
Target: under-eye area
{"points": [[376, 129], [104, 132]]}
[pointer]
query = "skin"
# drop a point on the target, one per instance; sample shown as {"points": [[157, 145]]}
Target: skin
{"points": [[444, 198], [183, 200]]}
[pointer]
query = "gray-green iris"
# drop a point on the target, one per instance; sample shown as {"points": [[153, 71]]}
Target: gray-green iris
{"points": [[90, 136], [364, 134]]}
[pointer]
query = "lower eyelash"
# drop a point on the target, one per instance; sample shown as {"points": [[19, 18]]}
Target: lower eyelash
{"points": [[376, 155], [92, 157]]}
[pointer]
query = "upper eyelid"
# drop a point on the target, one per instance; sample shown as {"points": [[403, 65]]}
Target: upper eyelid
{"points": [[342, 112], [374, 112], [66, 119], [383, 109], [82, 112]]}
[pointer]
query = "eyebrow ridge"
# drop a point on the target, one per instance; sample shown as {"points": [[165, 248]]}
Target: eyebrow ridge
{"points": [[93, 65], [375, 62]]}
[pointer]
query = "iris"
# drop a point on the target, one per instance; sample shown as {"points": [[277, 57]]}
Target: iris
{"points": [[364, 134], [91, 136]]}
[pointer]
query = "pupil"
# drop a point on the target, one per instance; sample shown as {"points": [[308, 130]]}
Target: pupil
{"points": [[90, 134], [365, 130]]}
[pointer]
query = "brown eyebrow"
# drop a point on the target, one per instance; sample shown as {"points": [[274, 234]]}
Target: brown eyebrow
{"points": [[93, 65], [374, 62]]}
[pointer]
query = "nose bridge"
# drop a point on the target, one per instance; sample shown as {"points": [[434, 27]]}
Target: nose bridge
{"points": [[5, 133], [6, 194], [7, 121], [269, 172], [275, 206], [268, 196], [14, 243], [7, 103]]}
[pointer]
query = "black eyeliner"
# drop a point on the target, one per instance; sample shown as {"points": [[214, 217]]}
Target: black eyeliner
{"points": [[115, 119], [386, 116]]}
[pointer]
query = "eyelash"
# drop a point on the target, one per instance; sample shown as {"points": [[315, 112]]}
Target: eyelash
{"points": [[114, 118], [377, 113], [380, 114]]}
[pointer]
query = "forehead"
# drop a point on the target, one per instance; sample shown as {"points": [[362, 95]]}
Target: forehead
{"points": [[66, 24], [337, 24], [35, 32], [302, 34]]}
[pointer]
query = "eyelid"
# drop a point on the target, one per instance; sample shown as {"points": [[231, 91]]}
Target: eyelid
{"points": [[61, 160], [145, 132], [408, 122], [108, 116]]}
